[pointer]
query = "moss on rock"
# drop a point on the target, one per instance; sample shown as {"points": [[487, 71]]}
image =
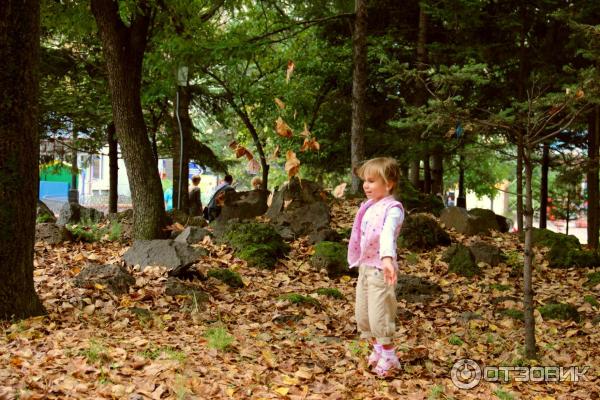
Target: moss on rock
{"points": [[259, 244], [331, 256], [561, 256], [560, 311], [545, 237], [227, 276], [415, 201], [461, 261], [330, 292], [593, 279]]}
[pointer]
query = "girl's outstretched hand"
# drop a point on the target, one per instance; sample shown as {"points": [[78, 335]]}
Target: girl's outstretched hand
{"points": [[389, 272]]}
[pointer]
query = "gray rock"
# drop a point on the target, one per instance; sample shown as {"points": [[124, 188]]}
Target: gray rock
{"points": [[463, 222], [422, 232], [415, 289], [487, 253], [324, 235], [73, 213], [461, 261], [176, 287], [191, 235], [175, 256], [285, 232], [243, 205], [44, 213], [503, 223], [51, 233], [114, 277], [301, 206]]}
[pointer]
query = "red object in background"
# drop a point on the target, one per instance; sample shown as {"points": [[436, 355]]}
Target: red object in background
{"points": [[581, 223]]}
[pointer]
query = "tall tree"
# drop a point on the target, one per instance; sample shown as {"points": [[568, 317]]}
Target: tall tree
{"points": [[19, 149], [124, 45], [359, 86]]}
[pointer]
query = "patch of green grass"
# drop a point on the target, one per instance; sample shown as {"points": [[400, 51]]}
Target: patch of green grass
{"points": [[499, 287], [180, 389], [513, 313], [593, 279], [490, 338], [95, 353], [86, 231], [330, 292], [412, 258], [173, 354], [358, 348], [114, 232], [560, 311], [503, 395], [435, 392], [218, 338], [296, 298], [151, 353], [455, 340], [592, 300]]}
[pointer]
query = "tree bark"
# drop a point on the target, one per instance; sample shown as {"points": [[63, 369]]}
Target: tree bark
{"points": [[420, 100], [415, 173], [593, 195], [461, 199], [181, 160], [544, 185], [113, 169], [19, 153], [359, 87], [530, 348], [124, 48], [427, 172], [520, 183], [437, 170]]}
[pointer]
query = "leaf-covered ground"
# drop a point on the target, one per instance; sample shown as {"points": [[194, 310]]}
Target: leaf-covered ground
{"points": [[95, 345]]}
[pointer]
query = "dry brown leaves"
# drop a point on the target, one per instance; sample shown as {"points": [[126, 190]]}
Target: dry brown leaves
{"points": [[93, 344]]}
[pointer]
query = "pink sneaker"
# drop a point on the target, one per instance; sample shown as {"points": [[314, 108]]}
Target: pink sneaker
{"points": [[386, 366]]}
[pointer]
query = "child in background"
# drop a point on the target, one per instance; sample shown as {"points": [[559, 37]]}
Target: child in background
{"points": [[372, 248]]}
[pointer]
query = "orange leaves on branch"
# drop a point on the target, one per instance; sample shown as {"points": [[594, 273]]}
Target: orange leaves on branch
{"points": [[279, 103], [282, 128], [305, 132], [290, 71], [241, 151], [310, 144], [253, 167], [292, 165]]}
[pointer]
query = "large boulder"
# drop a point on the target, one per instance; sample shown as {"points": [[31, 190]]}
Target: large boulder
{"points": [[300, 205], [459, 219], [461, 261], [565, 250], [192, 234], [51, 233], [44, 213], [114, 277], [332, 257], [243, 205], [183, 218], [504, 224], [487, 253], [73, 213], [176, 287], [175, 256], [415, 289], [422, 232]]}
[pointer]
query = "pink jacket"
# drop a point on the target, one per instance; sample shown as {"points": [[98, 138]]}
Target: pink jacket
{"points": [[366, 251]]}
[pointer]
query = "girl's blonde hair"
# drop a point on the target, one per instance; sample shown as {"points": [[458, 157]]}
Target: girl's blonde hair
{"points": [[386, 167]]}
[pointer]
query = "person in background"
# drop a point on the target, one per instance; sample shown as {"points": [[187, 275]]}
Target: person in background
{"points": [[195, 202], [213, 209]]}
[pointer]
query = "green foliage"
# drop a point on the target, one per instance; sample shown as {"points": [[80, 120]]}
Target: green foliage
{"points": [[504, 395], [593, 279], [332, 256], [40, 219], [561, 256], [299, 299], [513, 313], [591, 300], [435, 392], [259, 244], [455, 340], [228, 276], [548, 238], [500, 287], [218, 338], [115, 231], [86, 231], [330, 292], [96, 353], [560, 311]]}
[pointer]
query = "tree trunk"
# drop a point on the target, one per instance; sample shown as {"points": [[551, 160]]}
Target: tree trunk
{"points": [[124, 47], [530, 350], [544, 185], [426, 172], [593, 195], [359, 87], [73, 191], [415, 173], [420, 100], [520, 184], [437, 170], [181, 160], [113, 169], [461, 200], [19, 153]]}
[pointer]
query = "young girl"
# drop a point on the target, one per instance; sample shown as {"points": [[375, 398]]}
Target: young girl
{"points": [[372, 249]]}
